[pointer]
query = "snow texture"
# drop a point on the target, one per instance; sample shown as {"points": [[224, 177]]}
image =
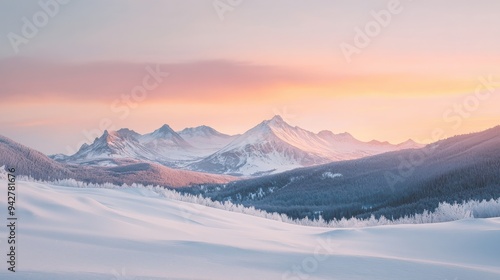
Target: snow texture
{"points": [[135, 233]]}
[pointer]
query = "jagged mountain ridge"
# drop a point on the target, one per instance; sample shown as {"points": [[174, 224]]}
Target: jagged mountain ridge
{"points": [[275, 146], [164, 146], [270, 147], [32, 163]]}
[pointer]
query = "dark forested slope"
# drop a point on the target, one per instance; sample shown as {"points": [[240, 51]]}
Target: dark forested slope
{"points": [[392, 184]]}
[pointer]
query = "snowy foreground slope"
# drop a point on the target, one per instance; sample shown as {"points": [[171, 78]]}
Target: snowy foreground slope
{"points": [[77, 233]]}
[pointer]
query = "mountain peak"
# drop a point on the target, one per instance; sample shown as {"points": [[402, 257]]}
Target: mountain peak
{"points": [[325, 133], [126, 131], [106, 136], [410, 144], [201, 131], [201, 128], [165, 128], [277, 119], [409, 141], [128, 134], [164, 131]]}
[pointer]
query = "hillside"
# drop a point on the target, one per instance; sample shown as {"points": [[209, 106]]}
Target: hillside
{"points": [[392, 184], [32, 163]]}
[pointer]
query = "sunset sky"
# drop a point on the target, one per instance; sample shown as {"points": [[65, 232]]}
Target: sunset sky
{"points": [[432, 65]]}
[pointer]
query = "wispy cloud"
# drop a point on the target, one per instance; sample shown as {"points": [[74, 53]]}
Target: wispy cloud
{"points": [[25, 79]]}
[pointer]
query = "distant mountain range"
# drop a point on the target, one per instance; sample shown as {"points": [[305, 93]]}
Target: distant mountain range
{"points": [[273, 146], [358, 178], [32, 163], [392, 184], [163, 146]]}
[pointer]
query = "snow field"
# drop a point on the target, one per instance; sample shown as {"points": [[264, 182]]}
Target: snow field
{"points": [[95, 233]]}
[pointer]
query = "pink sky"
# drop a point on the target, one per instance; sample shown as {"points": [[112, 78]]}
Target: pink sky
{"points": [[419, 74]]}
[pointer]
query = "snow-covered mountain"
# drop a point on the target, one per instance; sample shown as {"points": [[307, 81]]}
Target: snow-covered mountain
{"points": [[164, 137], [275, 146], [344, 146], [206, 138], [164, 146], [120, 144], [167, 146], [32, 163], [270, 147]]}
